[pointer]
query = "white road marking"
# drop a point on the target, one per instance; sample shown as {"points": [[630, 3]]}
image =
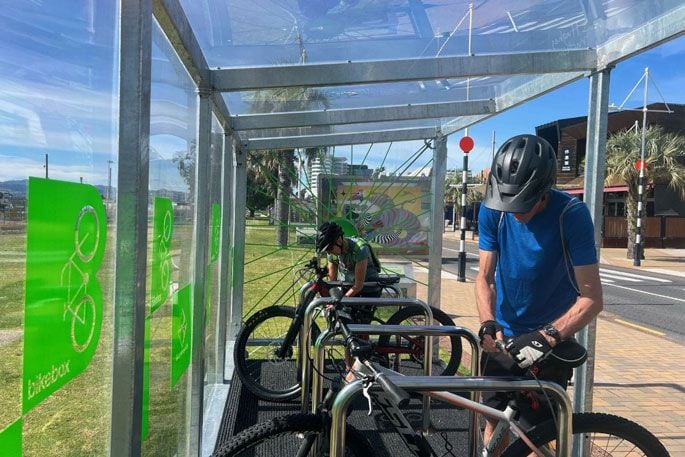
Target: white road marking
{"points": [[648, 293], [621, 278], [631, 275]]}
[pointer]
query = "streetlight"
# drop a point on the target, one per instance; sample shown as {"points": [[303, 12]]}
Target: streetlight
{"points": [[109, 178]]}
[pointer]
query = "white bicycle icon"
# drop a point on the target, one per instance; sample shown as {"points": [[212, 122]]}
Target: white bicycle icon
{"points": [[80, 305], [165, 253]]}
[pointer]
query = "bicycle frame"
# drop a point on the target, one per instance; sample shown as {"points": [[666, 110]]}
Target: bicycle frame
{"points": [[426, 330], [305, 335], [441, 387]]}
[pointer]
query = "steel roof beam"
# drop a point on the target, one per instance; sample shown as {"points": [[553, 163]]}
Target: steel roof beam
{"points": [[334, 139], [174, 23], [362, 115], [338, 74]]}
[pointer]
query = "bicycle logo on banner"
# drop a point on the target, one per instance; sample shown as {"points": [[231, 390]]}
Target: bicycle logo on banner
{"points": [[79, 307]]}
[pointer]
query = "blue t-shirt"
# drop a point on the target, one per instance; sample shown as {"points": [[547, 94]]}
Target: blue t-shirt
{"points": [[533, 283]]}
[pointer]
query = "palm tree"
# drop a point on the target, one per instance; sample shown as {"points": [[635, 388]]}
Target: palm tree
{"points": [[282, 100], [665, 161]]}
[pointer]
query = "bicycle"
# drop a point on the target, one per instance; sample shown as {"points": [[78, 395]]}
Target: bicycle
{"points": [[315, 433], [264, 351]]}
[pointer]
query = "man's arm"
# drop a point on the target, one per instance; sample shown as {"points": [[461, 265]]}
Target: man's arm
{"points": [[486, 295], [359, 276], [588, 305], [332, 271]]}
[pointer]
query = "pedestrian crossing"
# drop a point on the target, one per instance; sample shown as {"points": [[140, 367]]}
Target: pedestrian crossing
{"points": [[609, 276]]}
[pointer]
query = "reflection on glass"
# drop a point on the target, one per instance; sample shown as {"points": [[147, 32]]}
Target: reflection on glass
{"points": [[171, 198], [58, 119]]}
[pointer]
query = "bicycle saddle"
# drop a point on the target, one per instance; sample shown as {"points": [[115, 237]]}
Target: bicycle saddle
{"points": [[569, 352], [387, 280]]}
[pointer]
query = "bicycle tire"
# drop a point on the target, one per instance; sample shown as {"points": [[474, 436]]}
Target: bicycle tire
{"points": [[281, 437], [268, 377], [629, 438], [415, 313]]}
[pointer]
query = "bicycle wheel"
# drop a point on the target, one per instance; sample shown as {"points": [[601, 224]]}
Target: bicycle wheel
{"points": [[606, 435], [267, 376], [83, 322], [408, 350], [283, 437]]}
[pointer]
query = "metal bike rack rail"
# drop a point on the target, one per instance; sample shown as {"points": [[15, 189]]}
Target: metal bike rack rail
{"points": [[306, 336], [426, 330], [450, 384]]}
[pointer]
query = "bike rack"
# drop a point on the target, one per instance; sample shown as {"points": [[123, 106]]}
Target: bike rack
{"points": [[306, 336], [446, 384], [426, 330]]}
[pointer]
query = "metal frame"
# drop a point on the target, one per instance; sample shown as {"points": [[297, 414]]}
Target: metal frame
{"points": [[305, 340], [223, 315], [362, 115], [452, 384], [561, 67], [383, 71], [200, 259], [131, 229], [426, 330]]}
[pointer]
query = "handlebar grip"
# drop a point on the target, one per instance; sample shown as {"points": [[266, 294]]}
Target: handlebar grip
{"points": [[398, 395]]}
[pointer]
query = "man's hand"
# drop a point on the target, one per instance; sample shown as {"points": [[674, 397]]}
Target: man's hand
{"points": [[489, 331], [529, 348]]}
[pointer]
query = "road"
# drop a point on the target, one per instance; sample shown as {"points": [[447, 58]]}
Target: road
{"points": [[652, 301]]}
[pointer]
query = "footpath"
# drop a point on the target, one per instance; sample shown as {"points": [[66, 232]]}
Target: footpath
{"points": [[638, 375]]}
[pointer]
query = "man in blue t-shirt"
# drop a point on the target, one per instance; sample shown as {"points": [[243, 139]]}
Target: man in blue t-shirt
{"points": [[538, 281]]}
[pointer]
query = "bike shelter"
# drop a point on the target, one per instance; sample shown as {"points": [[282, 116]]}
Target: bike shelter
{"points": [[118, 335]]}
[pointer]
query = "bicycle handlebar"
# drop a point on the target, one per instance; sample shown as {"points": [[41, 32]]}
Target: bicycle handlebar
{"points": [[361, 350]]}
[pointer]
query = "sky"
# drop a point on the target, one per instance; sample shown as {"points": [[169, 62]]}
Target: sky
{"points": [[666, 65], [54, 100]]}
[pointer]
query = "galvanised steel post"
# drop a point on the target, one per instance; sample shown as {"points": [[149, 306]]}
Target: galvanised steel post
{"points": [[223, 315], [595, 166], [238, 238], [132, 224], [200, 256]]}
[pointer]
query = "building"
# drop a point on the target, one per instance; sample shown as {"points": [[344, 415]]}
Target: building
{"points": [[665, 210], [325, 164]]}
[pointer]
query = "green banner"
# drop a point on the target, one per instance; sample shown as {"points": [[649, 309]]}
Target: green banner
{"points": [[181, 333], [145, 429], [10, 440], [65, 244], [162, 230], [216, 232]]}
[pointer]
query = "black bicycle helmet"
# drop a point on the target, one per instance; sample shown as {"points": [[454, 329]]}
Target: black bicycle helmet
{"points": [[328, 234], [524, 168]]}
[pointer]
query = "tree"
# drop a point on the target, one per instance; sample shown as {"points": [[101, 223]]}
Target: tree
{"points": [[665, 159], [281, 100]]}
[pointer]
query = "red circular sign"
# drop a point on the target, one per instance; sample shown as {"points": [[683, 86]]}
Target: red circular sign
{"points": [[466, 144], [639, 164]]}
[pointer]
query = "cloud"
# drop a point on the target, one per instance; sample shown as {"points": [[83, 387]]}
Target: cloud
{"points": [[14, 167]]}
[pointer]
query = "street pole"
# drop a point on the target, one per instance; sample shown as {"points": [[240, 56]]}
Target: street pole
{"points": [[493, 147], [46, 165], [462, 235], [637, 251], [109, 179]]}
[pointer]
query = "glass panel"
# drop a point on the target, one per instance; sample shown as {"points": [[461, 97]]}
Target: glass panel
{"points": [[281, 32], [169, 318], [58, 120], [213, 267], [380, 193]]}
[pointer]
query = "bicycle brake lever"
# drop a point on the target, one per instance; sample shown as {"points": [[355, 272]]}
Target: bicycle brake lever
{"points": [[365, 392]]}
